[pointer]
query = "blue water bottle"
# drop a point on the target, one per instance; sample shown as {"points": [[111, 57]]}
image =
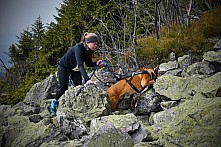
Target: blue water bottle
{"points": [[54, 106]]}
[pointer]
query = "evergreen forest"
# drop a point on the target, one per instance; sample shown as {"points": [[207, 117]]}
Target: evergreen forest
{"points": [[132, 34]]}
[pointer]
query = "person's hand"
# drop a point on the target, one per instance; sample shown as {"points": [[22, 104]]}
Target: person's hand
{"points": [[89, 82], [99, 63]]}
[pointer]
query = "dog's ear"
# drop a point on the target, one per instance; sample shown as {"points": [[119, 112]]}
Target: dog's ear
{"points": [[156, 69]]}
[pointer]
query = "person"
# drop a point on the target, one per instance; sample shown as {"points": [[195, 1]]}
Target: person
{"points": [[72, 64]]}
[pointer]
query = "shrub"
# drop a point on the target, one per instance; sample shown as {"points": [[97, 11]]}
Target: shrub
{"points": [[180, 40], [210, 23]]}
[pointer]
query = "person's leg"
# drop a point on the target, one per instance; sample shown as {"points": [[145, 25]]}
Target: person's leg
{"points": [[63, 78], [76, 77]]}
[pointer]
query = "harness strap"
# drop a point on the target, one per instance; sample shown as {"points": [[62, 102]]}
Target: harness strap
{"points": [[153, 76], [136, 73], [132, 86]]}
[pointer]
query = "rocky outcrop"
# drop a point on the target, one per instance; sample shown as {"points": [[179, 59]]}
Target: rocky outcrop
{"points": [[177, 88], [191, 104], [182, 109], [42, 90], [75, 112], [193, 122]]}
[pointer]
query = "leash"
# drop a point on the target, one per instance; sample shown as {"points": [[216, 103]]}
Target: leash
{"points": [[117, 76], [120, 76], [108, 66]]}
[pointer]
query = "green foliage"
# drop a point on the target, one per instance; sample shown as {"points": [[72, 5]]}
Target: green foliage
{"points": [[181, 40], [18, 94], [13, 96]]}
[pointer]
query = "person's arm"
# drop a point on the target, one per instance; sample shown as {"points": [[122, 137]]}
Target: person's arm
{"points": [[89, 62], [83, 73], [80, 61]]}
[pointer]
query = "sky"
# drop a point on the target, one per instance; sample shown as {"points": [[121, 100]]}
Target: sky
{"points": [[17, 15]]}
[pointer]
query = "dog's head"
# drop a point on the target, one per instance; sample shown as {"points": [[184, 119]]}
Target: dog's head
{"points": [[153, 72], [149, 76]]}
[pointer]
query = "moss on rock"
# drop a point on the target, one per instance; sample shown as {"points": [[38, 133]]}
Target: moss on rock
{"points": [[193, 123]]}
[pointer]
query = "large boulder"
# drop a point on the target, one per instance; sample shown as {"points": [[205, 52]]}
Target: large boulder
{"points": [[202, 68], [107, 135], [147, 103], [213, 56], [42, 90], [78, 106], [171, 65], [176, 88], [192, 123], [127, 123], [91, 102], [21, 131]]}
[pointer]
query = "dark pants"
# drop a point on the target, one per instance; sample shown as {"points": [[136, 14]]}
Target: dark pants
{"points": [[63, 77]]}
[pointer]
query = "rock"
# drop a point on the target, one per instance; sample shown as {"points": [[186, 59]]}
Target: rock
{"points": [[4, 108], [168, 104], [192, 123], [202, 68], [176, 88], [127, 123], [217, 45], [149, 144], [92, 102], [139, 135], [108, 135], [27, 109], [125, 102], [57, 143], [174, 72], [212, 56], [35, 118], [73, 127], [208, 86], [148, 102], [184, 61], [184, 110], [42, 90], [19, 131], [172, 56], [163, 67]]}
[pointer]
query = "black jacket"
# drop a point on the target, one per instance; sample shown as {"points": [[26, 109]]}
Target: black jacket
{"points": [[77, 55]]}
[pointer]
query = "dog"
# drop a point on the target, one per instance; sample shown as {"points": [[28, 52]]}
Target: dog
{"points": [[136, 83]]}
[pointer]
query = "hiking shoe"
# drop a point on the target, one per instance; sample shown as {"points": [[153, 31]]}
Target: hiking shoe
{"points": [[54, 106]]}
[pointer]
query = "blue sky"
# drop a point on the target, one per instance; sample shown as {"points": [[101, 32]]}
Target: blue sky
{"points": [[17, 15]]}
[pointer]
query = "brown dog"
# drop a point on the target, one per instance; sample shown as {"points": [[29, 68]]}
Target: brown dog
{"points": [[140, 80]]}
